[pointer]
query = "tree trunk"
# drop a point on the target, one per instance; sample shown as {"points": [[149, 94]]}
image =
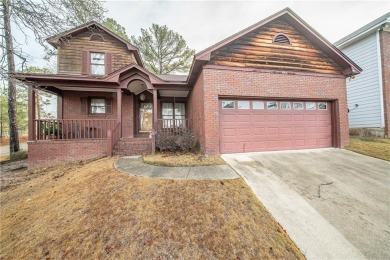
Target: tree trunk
{"points": [[13, 123]]}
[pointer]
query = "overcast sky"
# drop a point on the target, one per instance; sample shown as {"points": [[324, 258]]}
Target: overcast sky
{"points": [[205, 23]]}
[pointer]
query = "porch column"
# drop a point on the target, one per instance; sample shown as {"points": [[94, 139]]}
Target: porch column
{"points": [[119, 109], [155, 109], [155, 127], [31, 113]]}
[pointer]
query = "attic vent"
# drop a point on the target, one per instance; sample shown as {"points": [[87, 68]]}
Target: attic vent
{"points": [[96, 37], [281, 38]]}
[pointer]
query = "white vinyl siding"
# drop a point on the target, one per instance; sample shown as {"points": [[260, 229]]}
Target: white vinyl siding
{"points": [[365, 88]]}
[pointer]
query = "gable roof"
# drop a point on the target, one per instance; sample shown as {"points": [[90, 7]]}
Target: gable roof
{"points": [[55, 40], [349, 67], [360, 33]]}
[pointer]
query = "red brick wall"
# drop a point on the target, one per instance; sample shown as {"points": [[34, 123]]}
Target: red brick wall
{"points": [[196, 110], [263, 83], [72, 108], [49, 153], [385, 53]]}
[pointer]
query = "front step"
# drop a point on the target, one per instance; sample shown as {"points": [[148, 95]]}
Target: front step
{"points": [[133, 146]]}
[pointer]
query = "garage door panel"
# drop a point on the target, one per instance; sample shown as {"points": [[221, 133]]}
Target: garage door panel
{"points": [[244, 118], [244, 131], [262, 129], [229, 132]]}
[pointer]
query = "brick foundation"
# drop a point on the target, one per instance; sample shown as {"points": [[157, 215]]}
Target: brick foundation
{"points": [[49, 153], [215, 82]]}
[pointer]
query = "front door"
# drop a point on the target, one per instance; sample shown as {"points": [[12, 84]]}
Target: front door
{"points": [[146, 117]]}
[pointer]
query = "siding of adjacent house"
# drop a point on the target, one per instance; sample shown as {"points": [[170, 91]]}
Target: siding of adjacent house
{"points": [[365, 89]]}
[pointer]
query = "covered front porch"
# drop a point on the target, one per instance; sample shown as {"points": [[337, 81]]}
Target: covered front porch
{"points": [[121, 112]]}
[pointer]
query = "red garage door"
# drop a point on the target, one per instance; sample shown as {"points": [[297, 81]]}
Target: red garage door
{"points": [[266, 125]]}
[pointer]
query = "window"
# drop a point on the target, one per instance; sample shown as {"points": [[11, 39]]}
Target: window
{"points": [[281, 38], [227, 104], [298, 105], [272, 105], [322, 106], [173, 115], [258, 105], [97, 63], [98, 106], [311, 106], [243, 105], [285, 105]]}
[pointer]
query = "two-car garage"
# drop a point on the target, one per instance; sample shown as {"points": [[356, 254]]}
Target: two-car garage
{"points": [[270, 125]]}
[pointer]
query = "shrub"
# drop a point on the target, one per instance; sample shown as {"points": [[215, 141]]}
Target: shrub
{"points": [[166, 142], [186, 142], [183, 142]]}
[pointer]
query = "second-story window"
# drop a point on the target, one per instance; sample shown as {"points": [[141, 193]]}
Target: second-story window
{"points": [[97, 63]]}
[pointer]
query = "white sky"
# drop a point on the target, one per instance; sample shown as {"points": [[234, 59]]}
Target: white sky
{"points": [[204, 23]]}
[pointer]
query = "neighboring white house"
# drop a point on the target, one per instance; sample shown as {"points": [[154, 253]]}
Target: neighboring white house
{"points": [[368, 93]]}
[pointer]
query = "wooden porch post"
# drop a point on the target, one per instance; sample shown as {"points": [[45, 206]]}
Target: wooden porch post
{"points": [[31, 113], [155, 127], [119, 109]]}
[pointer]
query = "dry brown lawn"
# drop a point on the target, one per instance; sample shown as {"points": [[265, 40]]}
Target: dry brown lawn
{"points": [[5, 140], [374, 147], [91, 211], [188, 159]]}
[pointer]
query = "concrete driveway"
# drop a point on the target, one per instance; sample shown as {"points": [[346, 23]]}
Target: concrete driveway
{"points": [[349, 219]]}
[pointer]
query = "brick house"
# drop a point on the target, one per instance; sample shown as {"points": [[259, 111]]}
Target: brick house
{"points": [[275, 85]]}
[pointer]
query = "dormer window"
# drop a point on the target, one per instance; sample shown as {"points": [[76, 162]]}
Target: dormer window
{"points": [[281, 38], [97, 63]]}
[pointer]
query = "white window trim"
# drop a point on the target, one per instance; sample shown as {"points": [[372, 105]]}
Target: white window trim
{"points": [[303, 106], [234, 104], [277, 106], [258, 108], [249, 103], [326, 104], [285, 108], [315, 106]]}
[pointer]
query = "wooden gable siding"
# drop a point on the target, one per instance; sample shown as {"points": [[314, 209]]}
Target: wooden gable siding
{"points": [[256, 50], [69, 54]]}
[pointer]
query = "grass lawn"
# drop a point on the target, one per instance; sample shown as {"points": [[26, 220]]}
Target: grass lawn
{"points": [[189, 159], [91, 211], [374, 147]]}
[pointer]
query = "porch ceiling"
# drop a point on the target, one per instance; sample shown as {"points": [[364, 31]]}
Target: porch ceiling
{"points": [[173, 93], [86, 89]]}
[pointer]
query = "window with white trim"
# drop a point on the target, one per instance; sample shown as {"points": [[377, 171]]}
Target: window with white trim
{"points": [[322, 106], [97, 63], [298, 105], [243, 105], [272, 105], [285, 105], [311, 106], [227, 104], [258, 104]]}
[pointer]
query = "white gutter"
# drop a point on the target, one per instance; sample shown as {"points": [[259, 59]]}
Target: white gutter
{"points": [[368, 31]]}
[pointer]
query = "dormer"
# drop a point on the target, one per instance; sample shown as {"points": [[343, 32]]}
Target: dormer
{"points": [[92, 49]]}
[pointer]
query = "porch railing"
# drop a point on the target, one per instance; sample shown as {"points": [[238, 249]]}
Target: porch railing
{"points": [[173, 126], [68, 129]]}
